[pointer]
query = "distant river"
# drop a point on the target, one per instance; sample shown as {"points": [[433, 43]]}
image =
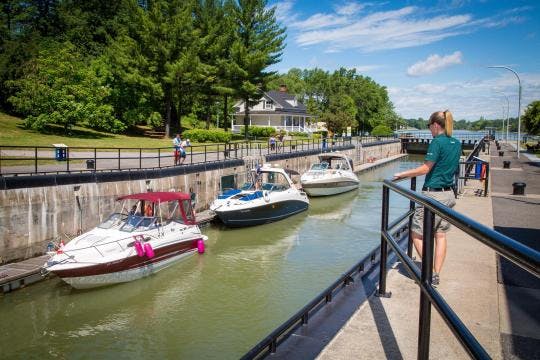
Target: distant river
{"points": [[212, 306]]}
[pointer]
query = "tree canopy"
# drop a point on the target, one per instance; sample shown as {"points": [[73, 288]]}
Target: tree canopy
{"points": [[111, 65], [531, 118]]}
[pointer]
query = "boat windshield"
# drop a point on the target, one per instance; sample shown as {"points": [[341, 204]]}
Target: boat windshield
{"points": [[138, 222], [321, 166], [113, 220]]}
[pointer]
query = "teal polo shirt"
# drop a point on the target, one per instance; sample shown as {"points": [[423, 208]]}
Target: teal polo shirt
{"points": [[444, 151]]}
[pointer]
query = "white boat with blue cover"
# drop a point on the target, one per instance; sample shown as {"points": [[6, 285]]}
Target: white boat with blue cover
{"points": [[332, 175], [271, 195]]}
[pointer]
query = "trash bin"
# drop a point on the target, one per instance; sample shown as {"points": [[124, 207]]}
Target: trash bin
{"points": [[501, 153], [324, 143], [519, 188], [60, 152], [506, 164], [90, 164]]}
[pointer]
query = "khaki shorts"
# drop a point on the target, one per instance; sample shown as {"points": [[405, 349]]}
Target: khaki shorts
{"points": [[444, 197]]}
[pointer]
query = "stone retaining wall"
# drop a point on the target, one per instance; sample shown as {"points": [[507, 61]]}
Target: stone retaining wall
{"points": [[31, 217]]}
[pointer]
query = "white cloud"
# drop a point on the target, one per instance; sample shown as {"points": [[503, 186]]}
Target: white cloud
{"points": [[349, 9], [434, 63], [350, 27], [319, 21], [284, 11], [467, 99], [430, 88]]}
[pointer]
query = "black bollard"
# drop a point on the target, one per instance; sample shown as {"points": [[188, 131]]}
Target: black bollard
{"points": [[519, 188], [506, 164], [501, 153]]}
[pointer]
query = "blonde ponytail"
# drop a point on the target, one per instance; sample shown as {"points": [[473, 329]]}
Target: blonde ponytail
{"points": [[448, 123]]}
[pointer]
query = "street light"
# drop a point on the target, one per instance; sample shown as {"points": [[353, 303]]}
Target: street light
{"points": [[519, 101], [507, 114]]}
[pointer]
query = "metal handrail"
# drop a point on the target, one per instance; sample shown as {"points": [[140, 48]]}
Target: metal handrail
{"points": [[523, 256], [132, 158]]}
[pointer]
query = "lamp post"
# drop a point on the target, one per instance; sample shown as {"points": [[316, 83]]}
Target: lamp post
{"points": [[519, 102], [507, 113]]}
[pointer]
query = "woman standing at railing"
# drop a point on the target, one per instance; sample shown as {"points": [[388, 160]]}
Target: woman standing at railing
{"points": [[440, 165]]}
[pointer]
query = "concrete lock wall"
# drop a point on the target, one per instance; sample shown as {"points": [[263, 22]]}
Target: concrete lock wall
{"points": [[32, 217]]}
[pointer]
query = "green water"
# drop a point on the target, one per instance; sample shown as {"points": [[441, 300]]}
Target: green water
{"points": [[211, 306]]}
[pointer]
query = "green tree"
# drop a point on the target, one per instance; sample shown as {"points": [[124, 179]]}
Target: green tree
{"points": [[381, 130], [531, 118], [340, 114], [59, 87], [258, 44]]}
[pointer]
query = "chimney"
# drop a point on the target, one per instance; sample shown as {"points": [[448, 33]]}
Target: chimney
{"points": [[283, 88]]}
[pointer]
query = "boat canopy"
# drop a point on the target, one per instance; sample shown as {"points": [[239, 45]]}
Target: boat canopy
{"points": [[157, 196]]}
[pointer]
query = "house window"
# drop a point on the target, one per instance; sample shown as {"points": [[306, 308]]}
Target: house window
{"points": [[268, 104]]}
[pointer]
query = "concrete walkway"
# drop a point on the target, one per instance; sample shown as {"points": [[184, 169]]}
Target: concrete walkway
{"points": [[500, 305], [468, 283]]}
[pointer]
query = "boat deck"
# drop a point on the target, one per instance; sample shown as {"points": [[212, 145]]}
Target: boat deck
{"points": [[17, 275]]}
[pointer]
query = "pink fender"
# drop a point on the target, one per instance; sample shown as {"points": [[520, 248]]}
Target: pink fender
{"points": [[139, 248], [148, 250], [200, 246]]}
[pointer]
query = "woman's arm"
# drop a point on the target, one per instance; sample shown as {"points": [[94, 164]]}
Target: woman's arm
{"points": [[419, 171]]}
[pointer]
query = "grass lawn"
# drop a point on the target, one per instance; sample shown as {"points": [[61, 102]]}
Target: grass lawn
{"points": [[13, 133]]}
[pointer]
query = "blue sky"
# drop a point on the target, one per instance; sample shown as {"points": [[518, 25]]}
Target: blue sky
{"points": [[431, 55]]}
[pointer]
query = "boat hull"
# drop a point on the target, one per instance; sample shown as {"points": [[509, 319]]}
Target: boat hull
{"points": [[126, 269], [329, 188], [261, 214]]}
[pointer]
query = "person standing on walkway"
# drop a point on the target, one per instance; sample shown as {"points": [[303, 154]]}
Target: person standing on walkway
{"points": [[440, 165], [177, 144]]}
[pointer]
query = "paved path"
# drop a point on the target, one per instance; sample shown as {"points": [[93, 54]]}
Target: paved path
{"points": [[130, 159], [500, 306]]}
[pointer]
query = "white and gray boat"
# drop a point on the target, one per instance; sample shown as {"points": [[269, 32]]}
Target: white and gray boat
{"points": [[332, 175]]}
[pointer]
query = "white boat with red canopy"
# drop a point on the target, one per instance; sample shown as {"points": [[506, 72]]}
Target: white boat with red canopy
{"points": [[151, 231]]}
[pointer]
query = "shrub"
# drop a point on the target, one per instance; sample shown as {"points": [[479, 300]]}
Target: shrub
{"points": [[381, 130], [298, 133], [259, 131], [202, 136]]}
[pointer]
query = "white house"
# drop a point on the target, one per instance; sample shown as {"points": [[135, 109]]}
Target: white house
{"points": [[277, 109]]}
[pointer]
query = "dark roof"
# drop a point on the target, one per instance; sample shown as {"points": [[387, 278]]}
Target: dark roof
{"points": [[280, 98]]}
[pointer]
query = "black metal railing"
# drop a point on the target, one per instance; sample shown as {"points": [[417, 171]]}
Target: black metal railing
{"points": [[270, 343], [525, 257], [481, 172], [18, 160]]}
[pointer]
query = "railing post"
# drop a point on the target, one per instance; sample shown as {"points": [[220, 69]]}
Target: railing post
{"points": [[35, 159], [427, 272], [159, 157], [384, 246], [119, 158], [412, 206], [95, 159], [67, 159], [140, 158], [486, 180]]}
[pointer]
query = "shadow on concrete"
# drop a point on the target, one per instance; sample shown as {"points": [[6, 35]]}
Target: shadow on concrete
{"points": [[403, 271], [507, 272], [384, 328]]}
